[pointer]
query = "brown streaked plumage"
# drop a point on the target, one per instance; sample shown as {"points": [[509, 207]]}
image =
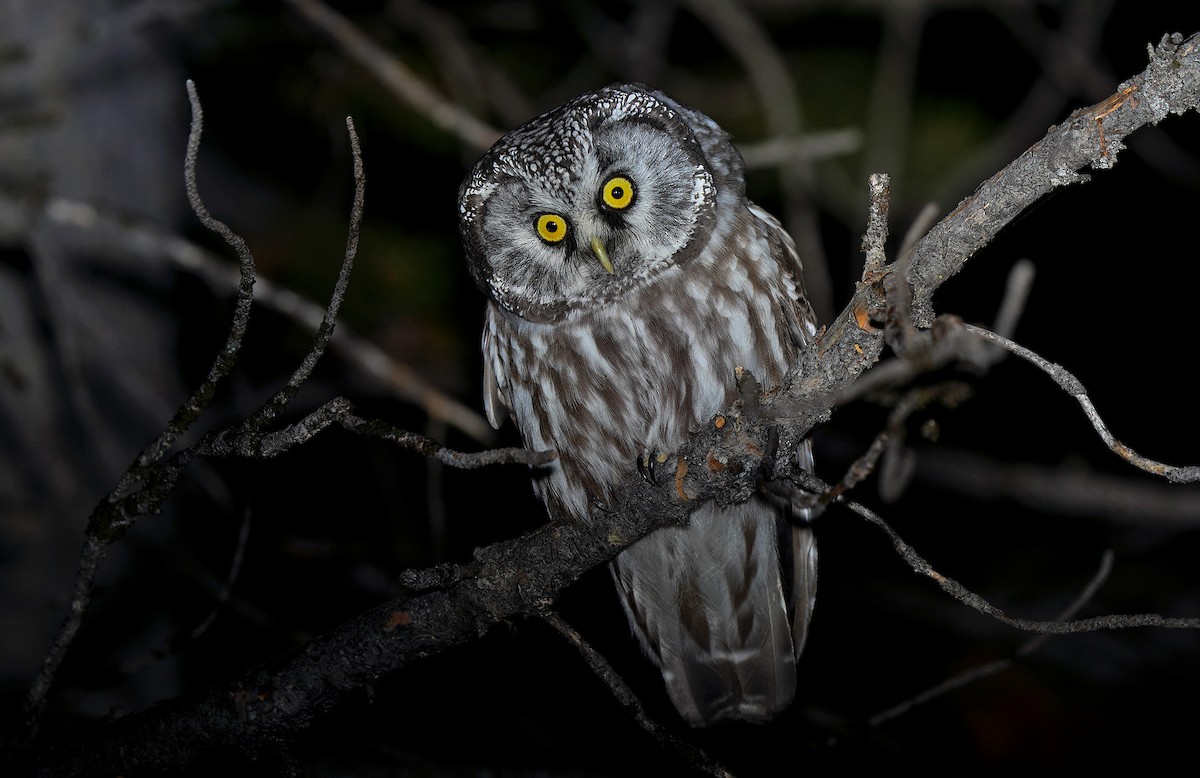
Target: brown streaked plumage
{"points": [[616, 331]]}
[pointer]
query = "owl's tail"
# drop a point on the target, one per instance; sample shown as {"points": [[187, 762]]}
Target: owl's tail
{"points": [[722, 606]]}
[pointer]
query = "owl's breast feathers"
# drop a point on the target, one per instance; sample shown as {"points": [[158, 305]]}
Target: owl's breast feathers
{"points": [[721, 605], [604, 384]]}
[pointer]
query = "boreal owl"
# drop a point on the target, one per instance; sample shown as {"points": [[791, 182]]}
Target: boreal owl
{"points": [[627, 276]]}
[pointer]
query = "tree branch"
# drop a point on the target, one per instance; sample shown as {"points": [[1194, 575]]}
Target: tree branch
{"points": [[1090, 137], [1072, 386], [694, 756], [397, 77], [988, 669]]}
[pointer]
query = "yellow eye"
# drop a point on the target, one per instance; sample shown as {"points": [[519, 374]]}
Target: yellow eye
{"points": [[551, 227], [617, 192]]}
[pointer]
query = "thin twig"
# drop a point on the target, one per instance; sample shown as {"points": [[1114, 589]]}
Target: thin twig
{"points": [[431, 448], [220, 599], [276, 404], [1072, 386], [811, 146], [1068, 489], [970, 598], [769, 76], [397, 77], [995, 667], [122, 239], [691, 754], [81, 596], [235, 567], [1016, 294], [890, 435], [195, 405], [246, 440]]}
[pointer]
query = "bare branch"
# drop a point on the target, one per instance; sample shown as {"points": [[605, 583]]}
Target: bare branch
{"points": [[149, 480], [1090, 137], [396, 76], [689, 753], [123, 239], [1072, 386], [998, 666], [276, 404], [225, 360], [811, 146], [1065, 489], [109, 520], [967, 597], [431, 448]]}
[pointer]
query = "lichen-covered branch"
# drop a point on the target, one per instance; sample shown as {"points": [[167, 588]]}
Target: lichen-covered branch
{"points": [[1089, 138]]}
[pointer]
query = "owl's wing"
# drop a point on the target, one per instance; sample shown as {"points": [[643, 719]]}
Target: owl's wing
{"points": [[803, 324], [495, 404], [801, 318], [804, 561]]}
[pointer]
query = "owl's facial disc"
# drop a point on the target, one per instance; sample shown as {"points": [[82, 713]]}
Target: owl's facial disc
{"points": [[584, 203]]}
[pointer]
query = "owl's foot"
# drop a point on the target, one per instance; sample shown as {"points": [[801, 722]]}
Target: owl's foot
{"points": [[647, 464]]}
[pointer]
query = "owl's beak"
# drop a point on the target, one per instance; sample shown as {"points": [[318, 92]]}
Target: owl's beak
{"points": [[601, 254]]}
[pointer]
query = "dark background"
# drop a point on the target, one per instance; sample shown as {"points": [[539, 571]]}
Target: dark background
{"points": [[101, 337]]}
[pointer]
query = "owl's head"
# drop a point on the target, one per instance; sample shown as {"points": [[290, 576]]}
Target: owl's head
{"points": [[581, 204]]}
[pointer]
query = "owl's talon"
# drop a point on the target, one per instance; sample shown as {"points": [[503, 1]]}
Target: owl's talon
{"points": [[647, 465]]}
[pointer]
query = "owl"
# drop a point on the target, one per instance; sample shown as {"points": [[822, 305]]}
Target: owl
{"points": [[627, 276]]}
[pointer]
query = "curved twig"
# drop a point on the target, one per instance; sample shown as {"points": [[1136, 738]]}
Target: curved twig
{"points": [[195, 405], [1072, 386], [396, 77], [272, 407], [967, 597], [109, 519], [997, 666], [121, 238], [694, 756]]}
